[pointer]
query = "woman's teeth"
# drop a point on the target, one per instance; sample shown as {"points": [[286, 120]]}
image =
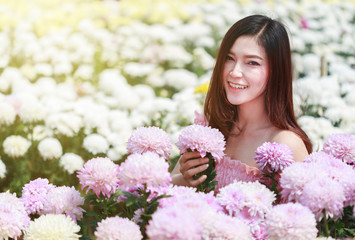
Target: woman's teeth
{"points": [[237, 86]]}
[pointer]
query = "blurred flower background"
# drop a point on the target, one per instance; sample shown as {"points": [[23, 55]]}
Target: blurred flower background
{"points": [[78, 76]]}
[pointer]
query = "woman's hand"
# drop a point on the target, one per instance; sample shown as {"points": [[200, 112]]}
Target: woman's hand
{"points": [[191, 164]]}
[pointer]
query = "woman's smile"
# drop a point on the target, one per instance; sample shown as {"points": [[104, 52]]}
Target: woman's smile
{"points": [[236, 86]]}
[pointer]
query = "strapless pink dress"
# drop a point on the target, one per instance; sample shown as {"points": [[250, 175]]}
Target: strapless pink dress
{"points": [[229, 170]]}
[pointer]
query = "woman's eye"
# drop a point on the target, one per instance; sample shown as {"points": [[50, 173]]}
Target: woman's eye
{"points": [[253, 63], [229, 58]]}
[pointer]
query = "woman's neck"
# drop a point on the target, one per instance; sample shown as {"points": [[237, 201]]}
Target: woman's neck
{"points": [[252, 117]]}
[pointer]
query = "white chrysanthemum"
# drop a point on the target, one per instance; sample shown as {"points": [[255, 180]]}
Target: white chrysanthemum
{"points": [[50, 148], [127, 98], [40, 132], [54, 227], [67, 123], [43, 69], [311, 62], [4, 84], [71, 162], [62, 67], [2, 169], [116, 152], [95, 143], [85, 72], [317, 129], [16, 146], [7, 114], [92, 120], [144, 91], [110, 80], [180, 78], [119, 121], [135, 69], [32, 111]]}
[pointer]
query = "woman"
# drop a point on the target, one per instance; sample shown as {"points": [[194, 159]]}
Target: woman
{"points": [[250, 101]]}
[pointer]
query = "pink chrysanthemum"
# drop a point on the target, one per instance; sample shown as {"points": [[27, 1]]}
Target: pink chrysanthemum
{"points": [[259, 233], [201, 205], [180, 194], [294, 178], [117, 228], [147, 168], [273, 157], [13, 216], [318, 157], [200, 119], [150, 139], [342, 173], [232, 198], [321, 194], [171, 223], [231, 228], [64, 200], [248, 200], [341, 146], [203, 139], [290, 221], [176, 193], [100, 175], [34, 195]]}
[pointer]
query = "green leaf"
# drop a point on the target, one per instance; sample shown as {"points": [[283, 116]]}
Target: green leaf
{"points": [[92, 213], [84, 238], [90, 197]]}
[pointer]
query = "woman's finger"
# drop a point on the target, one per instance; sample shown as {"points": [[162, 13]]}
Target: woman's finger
{"points": [[192, 163], [193, 171], [198, 181]]}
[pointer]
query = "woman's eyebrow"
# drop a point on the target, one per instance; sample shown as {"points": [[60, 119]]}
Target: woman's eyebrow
{"points": [[254, 56]]}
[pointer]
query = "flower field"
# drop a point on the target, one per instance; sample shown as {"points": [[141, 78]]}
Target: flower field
{"points": [[95, 94]]}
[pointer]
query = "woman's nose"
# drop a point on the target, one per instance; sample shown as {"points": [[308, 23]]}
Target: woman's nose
{"points": [[236, 71]]}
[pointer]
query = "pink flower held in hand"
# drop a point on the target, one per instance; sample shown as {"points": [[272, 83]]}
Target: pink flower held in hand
{"points": [[149, 139], [273, 157], [203, 139], [100, 175], [341, 146]]}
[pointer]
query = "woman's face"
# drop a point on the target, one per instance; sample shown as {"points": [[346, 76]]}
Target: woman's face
{"points": [[245, 71]]}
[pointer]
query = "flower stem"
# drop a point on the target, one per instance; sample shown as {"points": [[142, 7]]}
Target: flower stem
{"points": [[325, 224]]}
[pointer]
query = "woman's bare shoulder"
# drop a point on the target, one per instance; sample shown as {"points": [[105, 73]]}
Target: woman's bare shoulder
{"points": [[293, 141]]}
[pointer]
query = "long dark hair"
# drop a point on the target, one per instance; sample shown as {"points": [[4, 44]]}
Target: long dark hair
{"points": [[272, 35]]}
